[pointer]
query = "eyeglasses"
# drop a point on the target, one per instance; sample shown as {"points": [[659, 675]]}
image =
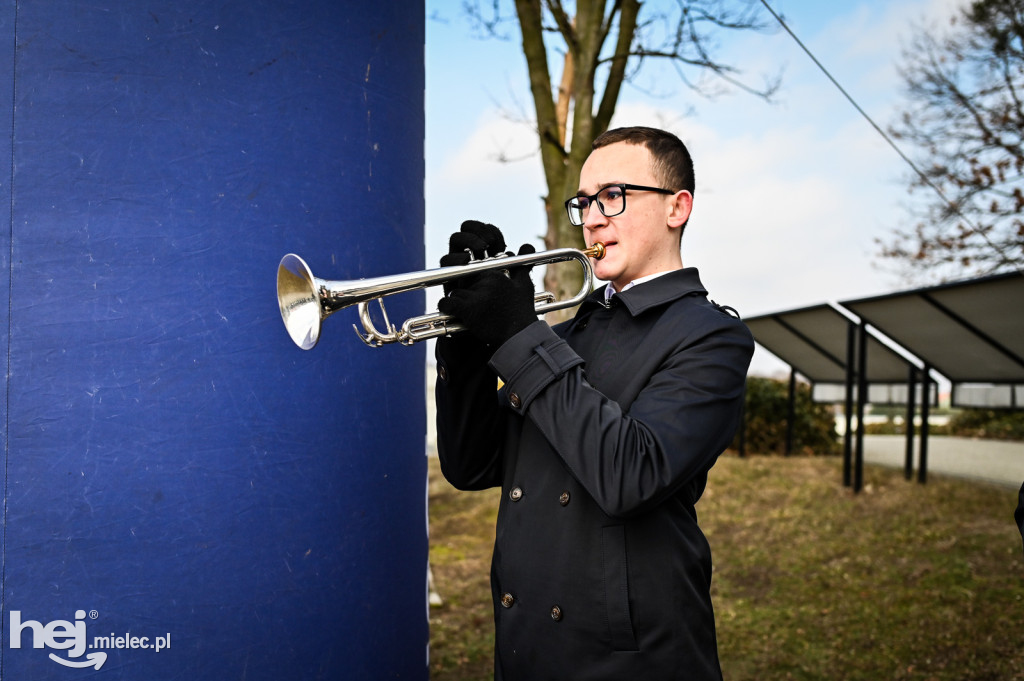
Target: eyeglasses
{"points": [[611, 201]]}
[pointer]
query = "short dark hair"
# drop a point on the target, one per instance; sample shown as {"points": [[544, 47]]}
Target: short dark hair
{"points": [[673, 166]]}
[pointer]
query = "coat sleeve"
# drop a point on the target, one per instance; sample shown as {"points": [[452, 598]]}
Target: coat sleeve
{"points": [[469, 421], [674, 429]]}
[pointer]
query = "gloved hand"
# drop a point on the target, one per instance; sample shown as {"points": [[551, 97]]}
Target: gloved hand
{"points": [[483, 240], [494, 306]]}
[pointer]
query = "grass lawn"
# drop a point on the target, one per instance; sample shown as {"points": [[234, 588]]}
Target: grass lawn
{"points": [[903, 581]]}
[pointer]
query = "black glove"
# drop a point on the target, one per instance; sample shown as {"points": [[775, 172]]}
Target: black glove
{"points": [[495, 306], [478, 238]]}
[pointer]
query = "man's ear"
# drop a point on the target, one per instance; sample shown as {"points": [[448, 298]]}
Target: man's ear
{"points": [[679, 210]]}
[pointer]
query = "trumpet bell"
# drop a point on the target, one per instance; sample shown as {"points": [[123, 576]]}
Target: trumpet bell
{"points": [[299, 299]]}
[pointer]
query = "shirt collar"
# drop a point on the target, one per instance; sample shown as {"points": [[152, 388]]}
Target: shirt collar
{"points": [[610, 291], [665, 289]]}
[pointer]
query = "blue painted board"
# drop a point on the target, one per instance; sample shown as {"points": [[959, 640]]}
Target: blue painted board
{"points": [[174, 467]]}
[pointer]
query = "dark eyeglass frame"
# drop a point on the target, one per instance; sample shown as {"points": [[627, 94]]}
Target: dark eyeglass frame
{"points": [[593, 199]]}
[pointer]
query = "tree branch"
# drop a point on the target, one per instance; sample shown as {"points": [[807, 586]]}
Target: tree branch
{"points": [[628, 12], [564, 24], [535, 51]]}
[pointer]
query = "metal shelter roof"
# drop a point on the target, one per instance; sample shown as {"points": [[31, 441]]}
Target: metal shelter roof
{"points": [[814, 341], [969, 331]]}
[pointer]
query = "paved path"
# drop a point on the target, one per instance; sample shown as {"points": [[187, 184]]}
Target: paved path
{"points": [[1001, 463]]}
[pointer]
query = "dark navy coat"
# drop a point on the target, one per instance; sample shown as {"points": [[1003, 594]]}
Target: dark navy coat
{"points": [[1018, 515], [601, 440]]}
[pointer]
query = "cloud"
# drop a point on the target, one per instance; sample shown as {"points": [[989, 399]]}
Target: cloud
{"points": [[790, 196], [472, 181], [784, 210], [496, 149], [784, 215]]}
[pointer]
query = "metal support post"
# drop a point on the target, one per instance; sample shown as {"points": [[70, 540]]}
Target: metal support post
{"points": [[908, 464]]}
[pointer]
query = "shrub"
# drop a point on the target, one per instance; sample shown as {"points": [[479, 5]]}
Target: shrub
{"points": [[890, 427], [767, 404], [988, 423]]}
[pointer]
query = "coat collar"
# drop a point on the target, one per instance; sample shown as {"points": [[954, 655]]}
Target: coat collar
{"points": [[664, 289]]}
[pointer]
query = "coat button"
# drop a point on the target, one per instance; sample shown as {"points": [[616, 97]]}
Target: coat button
{"points": [[514, 400], [507, 600], [442, 372], [516, 493], [556, 613], [563, 499]]}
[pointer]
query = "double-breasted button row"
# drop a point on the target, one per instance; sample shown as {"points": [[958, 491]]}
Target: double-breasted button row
{"points": [[508, 600], [516, 493]]}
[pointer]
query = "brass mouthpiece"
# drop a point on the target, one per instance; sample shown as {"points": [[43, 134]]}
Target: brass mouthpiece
{"points": [[596, 251]]}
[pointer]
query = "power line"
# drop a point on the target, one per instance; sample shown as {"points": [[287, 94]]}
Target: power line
{"points": [[906, 159]]}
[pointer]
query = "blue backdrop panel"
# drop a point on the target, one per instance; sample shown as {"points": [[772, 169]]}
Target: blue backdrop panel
{"points": [[176, 471], [6, 118]]}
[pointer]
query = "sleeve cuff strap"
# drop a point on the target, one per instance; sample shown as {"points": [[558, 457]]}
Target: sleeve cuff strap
{"points": [[529, 361]]}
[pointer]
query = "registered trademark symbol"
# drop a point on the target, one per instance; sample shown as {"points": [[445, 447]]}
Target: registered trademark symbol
{"points": [[93, 614]]}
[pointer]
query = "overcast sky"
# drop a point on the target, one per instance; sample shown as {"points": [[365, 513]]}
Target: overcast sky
{"points": [[791, 195]]}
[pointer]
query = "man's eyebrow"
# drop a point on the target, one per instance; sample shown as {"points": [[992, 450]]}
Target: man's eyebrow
{"points": [[600, 187]]}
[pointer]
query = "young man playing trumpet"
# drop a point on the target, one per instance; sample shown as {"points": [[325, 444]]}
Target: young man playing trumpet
{"points": [[603, 433]]}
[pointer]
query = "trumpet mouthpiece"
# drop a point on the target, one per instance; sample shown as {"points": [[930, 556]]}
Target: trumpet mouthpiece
{"points": [[596, 251]]}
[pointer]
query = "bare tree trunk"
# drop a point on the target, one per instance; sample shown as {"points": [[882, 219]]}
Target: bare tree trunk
{"points": [[563, 148], [585, 36]]}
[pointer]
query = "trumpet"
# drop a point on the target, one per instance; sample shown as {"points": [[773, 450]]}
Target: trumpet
{"points": [[306, 301]]}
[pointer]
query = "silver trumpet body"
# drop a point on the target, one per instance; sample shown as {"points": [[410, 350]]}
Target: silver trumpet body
{"points": [[306, 301]]}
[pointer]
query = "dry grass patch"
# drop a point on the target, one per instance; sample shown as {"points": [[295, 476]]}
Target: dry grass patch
{"points": [[812, 582]]}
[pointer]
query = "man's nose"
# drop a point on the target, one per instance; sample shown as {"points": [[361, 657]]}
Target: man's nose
{"points": [[595, 218]]}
